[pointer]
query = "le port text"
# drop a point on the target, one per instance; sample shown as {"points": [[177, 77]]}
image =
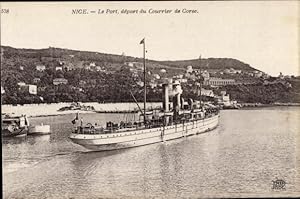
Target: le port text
{"points": [[132, 11]]}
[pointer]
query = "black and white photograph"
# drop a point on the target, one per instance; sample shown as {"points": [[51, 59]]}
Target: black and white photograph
{"points": [[150, 99]]}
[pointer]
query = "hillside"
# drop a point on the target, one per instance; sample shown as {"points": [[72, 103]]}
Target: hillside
{"points": [[78, 58], [100, 77]]}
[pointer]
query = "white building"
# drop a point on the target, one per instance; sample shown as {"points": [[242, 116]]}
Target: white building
{"points": [[58, 68], [224, 98], [36, 80], [40, 67], [189, 69], [258, 73], [232, 71], [58, 81], [156, 76], [205, 75], [206, 92], [21, 84], [2, 90], [32, 89], [130, 64], [281, 76], [92, 64], [88, 67], [98, 68], [219, 82], [153, 84], [163, 71], [140, 83], [183, 80]]}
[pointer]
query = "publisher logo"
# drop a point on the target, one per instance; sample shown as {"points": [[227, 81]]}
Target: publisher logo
{"points": [[278, 184]]}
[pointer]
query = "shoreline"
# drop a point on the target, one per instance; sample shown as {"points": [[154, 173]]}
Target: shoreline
{"points": [[47, 110], [258, 105]]}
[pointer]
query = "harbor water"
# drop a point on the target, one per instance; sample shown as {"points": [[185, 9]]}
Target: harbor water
{"points": [[243, 157]]}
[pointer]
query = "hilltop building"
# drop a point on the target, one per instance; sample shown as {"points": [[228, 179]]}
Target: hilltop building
{"points": [[232, 71], [163, 71], [258, 73], [21, 83], [2, 90], [213, 81], [36, 80], [140, 83], [82, 83], [189, 69], [87, 67], [205, 75], [98, 68], [58, 81], [92, 64], [40, 67], [31, 89], [130, 64], [156, 76], [281, 76], [152, 84], [58, 68], [68, 66]]}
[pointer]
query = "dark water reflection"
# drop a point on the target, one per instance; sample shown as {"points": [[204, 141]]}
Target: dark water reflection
{"points": [[248, 150]]}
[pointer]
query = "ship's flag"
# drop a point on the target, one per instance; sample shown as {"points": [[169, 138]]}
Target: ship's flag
{"points": [[76, 118], [143, 41]]}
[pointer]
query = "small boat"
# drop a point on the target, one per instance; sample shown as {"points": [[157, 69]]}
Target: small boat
{"points": [[39, 129], [14, 126]]}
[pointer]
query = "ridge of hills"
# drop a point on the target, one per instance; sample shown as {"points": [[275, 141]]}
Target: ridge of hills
{"points": [[111, 61]]}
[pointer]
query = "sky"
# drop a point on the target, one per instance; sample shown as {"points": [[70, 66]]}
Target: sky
{"points": [[260, 33]]}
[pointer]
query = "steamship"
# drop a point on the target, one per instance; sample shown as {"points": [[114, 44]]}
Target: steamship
{"points": [[176, 120]]}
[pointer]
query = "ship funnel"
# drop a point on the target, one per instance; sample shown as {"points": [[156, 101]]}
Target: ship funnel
{"points": [[166, 97], [176, 92], [172, 89]]}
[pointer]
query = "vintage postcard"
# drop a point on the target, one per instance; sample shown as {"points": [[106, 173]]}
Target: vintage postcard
{"points": [[160, 99]]}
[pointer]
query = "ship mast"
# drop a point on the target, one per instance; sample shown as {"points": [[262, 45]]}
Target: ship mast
{"points": [[145, 88], [200, 79]]}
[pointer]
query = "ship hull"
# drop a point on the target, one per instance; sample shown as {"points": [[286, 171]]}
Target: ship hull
{"points": [[135, 138]]}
